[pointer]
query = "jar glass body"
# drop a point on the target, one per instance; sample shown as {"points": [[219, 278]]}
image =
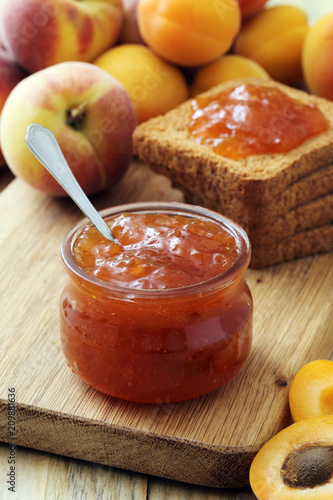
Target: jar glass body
{"points": [[155, 346]]}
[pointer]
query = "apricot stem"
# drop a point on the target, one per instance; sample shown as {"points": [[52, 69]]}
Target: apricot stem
{"points": [[309, 466], [75, 116]]}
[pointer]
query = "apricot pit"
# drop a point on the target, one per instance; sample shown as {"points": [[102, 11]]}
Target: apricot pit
{"points": [[308, 467]]}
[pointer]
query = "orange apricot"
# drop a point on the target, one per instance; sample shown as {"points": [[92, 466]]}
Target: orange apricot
{"points": [[297, 463], [311, 391], [229, 67], [317, 60], [274, 39], [187, 32], [153, 85]]}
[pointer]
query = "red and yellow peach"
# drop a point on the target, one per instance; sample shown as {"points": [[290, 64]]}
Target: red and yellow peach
{"points": [[90, 114], [10, 75], [40, 33]]}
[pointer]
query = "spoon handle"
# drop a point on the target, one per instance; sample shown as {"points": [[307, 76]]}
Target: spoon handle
{"points": [[45, 147]]}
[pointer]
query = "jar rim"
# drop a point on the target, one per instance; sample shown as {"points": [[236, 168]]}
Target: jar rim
{"points": [[237, 268]]}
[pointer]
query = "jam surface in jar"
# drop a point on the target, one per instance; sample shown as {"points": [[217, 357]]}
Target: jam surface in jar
{"points": [[159, 251], [253, 119], [166, 318]]}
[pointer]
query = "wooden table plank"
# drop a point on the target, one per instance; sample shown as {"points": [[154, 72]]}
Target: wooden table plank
{"points": [[47, 476]]}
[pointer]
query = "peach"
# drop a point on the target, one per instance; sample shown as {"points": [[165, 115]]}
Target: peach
{"points": [[153, 85], [10, 75], [317, 58], [250, 7], [230, 67], [187, 32], [274, 39], [90, 114], [130, 32], [40, 33]]}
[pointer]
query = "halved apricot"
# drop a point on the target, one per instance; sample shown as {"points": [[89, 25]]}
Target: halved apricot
{"points": [[311, 391], [297, 463]]}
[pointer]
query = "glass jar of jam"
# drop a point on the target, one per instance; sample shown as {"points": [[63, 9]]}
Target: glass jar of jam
{"points": [[166, 316]]}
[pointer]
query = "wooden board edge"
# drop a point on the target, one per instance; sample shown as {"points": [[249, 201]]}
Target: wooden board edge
{"points": [[125, 448]]}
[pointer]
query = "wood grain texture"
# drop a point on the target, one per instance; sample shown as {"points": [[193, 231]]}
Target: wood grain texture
{"points": [[46, 476], [210, 440]]}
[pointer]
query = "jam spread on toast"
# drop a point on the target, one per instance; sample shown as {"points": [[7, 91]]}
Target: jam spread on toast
{"points": [[253, 119]]}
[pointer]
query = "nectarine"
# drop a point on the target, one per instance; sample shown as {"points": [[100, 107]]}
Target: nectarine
{"points": [[250, 7], [130, 32], [40, 33], [10, 75], [90, 114]]}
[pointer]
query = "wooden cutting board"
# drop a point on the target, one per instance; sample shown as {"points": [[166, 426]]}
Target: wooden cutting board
{"points": [[210, 440]]}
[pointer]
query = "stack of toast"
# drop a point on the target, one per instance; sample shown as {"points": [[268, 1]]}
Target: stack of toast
{"points": [[284, 201]]}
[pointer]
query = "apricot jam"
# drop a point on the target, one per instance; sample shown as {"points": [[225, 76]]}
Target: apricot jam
{"points": [[253, 119], [167, 316]]}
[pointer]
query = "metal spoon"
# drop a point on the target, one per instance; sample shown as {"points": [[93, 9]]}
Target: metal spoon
{"points": [[45, 147]]}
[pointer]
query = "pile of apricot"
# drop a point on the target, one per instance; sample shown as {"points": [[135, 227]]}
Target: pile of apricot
{"points": [[192, 46], [297, 463]]}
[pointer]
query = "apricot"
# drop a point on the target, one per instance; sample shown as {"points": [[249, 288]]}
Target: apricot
{"points": [[311, 391], [230, 67], [274, 39], [297, 463], [187, 32], [153, 85], [317, 61]]}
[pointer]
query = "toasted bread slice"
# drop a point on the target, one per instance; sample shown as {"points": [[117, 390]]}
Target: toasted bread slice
{"points": [[306, 189], [316, 213], [303, 244], [230, 186]]}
